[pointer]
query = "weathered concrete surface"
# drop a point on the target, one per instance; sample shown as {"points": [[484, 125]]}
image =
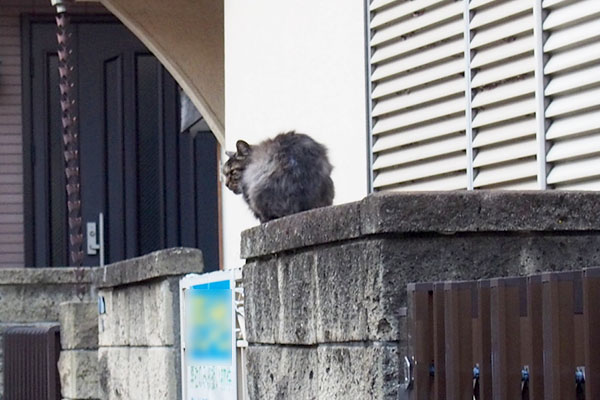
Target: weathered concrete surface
{"points": [[78, 362], [140, 315], [78, 325], [282, 373], [428, 212], [325, 288], [328, 295], [33, 294], [359, 371], [139, 373], [159, 264], [78, 370], [139, 340], [304, 229], [352, 371]]}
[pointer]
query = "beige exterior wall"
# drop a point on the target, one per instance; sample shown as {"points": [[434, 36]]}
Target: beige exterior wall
{"points": [[12, 252], [295, 65]]}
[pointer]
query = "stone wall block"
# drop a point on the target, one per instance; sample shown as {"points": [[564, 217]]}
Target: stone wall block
{"points": [[138, 373], [113, 324], [282, 372], [261, 301], [21, 303], [479, 211], [344, 300], [78, 325], [114, 373], [358, 371], [78, 370], [140, 315], [302, 230], [297, 297]]}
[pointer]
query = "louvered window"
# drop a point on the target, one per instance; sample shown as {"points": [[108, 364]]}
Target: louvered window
{"points": [[485, 94]]}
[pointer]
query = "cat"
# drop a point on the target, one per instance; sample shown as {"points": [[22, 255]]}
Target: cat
{"points": [[280, 176]]}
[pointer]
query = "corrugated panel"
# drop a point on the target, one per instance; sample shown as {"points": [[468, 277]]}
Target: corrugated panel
{"points": [[418, 96], [418, 93], [571, 80], [573, 125], [419, 77], [577, 147], [418, 68], [504, 104], [417, 171], [507, 91], [421, 151], [498, 12], [512, 27], [502, 173], [571, 13], [574, 170], [505, 133], [410, 24], [420, 133], [444, 182], [573, 94]]}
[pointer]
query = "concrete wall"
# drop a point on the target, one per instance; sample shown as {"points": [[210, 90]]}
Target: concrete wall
{"points": [[138, 334], [32, 296], [132, 350], [78, 362], [325, 289], [295, 65]]}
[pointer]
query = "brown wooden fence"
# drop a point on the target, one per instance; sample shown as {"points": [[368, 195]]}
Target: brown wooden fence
{"points": [[535, 337]]}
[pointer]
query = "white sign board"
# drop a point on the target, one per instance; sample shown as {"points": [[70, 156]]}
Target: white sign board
{"points": [[208, 341]]}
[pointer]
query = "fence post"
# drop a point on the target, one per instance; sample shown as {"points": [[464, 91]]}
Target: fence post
{"points": [[591, 322], [420, 308], [459, 325], [506, 341], [535, 334], [482, 341], [559, 354], [439, 342]]}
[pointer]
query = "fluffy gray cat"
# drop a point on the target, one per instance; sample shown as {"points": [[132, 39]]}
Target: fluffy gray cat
{"points": [[280, 176]]}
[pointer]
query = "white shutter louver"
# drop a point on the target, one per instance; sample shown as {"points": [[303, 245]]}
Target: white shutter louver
{"points": [[485, 94], [573, 113], [503, 84], [418, 95]]}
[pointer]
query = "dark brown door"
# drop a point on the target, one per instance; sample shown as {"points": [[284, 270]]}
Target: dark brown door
{"points": [[157, 188]]}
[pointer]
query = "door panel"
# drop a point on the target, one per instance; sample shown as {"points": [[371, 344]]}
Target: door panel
{"points": [[146, 178]]}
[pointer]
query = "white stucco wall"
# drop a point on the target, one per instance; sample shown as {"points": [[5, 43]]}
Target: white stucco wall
{"points": [[295, 64]]}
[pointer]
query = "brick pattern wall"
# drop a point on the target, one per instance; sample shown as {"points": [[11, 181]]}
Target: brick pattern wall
{"points": [[12, 252]]}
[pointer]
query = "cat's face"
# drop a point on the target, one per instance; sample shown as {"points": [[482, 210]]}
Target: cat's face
{"points": [[235, 166]]}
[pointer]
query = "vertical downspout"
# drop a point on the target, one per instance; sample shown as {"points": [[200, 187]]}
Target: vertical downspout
{"points": [[68, 106]]}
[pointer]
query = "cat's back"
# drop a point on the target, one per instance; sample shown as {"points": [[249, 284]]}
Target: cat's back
{"points": [[287, 174], [293, 152]]}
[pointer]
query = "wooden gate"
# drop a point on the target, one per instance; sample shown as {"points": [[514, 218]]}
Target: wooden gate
{"points": [[535, 337]]}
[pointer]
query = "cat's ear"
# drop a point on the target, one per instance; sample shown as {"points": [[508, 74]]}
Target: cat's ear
{"points": [[242, 147], [229, 153]]}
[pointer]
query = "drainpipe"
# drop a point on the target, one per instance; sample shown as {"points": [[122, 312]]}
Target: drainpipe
{"points": [[66, 69]]}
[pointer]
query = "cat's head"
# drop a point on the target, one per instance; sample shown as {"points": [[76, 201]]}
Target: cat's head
{"points": [[235, 165]]}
